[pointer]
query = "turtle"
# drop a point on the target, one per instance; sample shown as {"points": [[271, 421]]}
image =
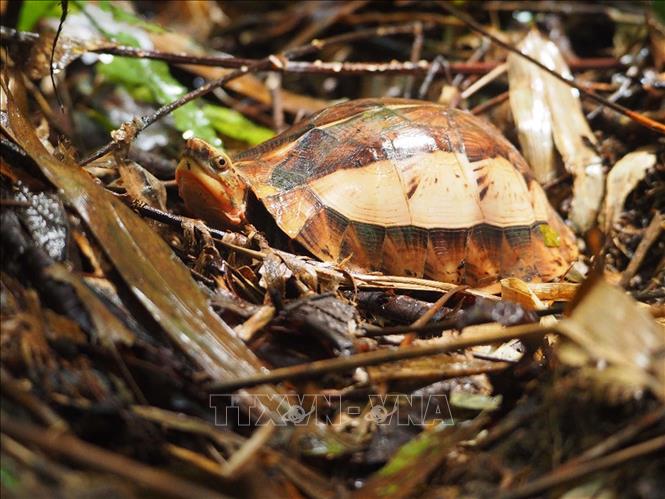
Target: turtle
{"points": [[400, 186]]}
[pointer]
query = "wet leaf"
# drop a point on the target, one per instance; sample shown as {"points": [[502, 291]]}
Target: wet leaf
{"points": [[160, 282], [155, 76], [529, 105], [110, 329], [233, 124]]}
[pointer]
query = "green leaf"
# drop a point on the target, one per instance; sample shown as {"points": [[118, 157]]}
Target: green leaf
{"points": [[659, 10], [155, 76], [406, 454], [550, 236], [8, 479], [475, 401], [34, 10], [129, 18], [233, 124]]}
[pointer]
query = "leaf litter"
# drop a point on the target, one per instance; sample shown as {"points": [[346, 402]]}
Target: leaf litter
{"points": [[116, 344]]}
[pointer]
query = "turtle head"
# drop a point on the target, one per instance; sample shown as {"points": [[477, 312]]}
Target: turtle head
{"points": [[210, 186]]}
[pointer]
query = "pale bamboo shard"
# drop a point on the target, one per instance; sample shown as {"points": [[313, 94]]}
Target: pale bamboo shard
{"points": [[548, 113], [530, 108]]}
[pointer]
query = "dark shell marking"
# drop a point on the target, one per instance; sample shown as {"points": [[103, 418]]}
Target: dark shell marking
{"points": [[410, 188]]}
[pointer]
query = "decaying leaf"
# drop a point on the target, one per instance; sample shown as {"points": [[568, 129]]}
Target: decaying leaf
{"points": [[146, 263], [556, 291], [161, 283], [409, 468], [518, 291], [110, 328], [542, 104], [622, 179], [142, 185], [615, 341], [66, 51]]}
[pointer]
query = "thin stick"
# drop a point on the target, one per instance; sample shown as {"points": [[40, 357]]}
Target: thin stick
{"points": [[622, 436], [319, 67], [561, 476], [90, 455], [135, 127], [485, 80], [635, 116], [490, 103], [432, 71], [455, 323], [416, 50], [427, 316], [651, 233], [341, 364]]}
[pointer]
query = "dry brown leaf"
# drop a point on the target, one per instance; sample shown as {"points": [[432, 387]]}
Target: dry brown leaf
{"points": [[555, 291], [622, 179], [615, 341], [146, 263], [142, 185], [555, 102], [518, 291], [110, 329]]}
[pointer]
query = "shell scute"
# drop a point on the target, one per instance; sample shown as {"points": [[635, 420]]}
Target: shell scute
{"points": [[411, 188]]}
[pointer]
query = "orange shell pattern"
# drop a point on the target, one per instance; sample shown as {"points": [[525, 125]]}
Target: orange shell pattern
{"points": [[409, 188]]}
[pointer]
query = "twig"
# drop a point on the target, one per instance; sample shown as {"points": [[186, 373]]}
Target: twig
{"points": [[90, 455], [416, 50], [256, 322], [333, 13], [475, 57], [433, 70], [617, 439], [454, 323], [427, 316], [401, 17], [131, 129], [342, 364], [633, 115], [490, 103], [486, 79], [561, 476], [63, 17], [12, 388], [274, 84], [349, 68], [651, 233]]}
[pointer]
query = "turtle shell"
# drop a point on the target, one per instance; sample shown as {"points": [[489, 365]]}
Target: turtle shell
{"points": [[409, 188]]}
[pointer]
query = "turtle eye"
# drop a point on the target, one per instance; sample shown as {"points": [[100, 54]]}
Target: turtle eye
{"points": [[220, 163]]}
